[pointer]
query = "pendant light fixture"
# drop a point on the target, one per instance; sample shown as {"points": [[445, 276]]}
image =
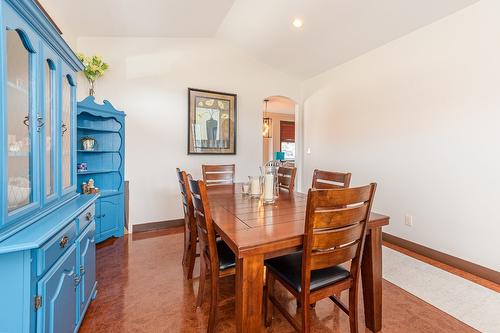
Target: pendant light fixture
{"points": [[267, 124]]}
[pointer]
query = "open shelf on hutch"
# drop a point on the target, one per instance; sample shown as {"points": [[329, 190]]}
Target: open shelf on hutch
{"points": [[104, 162]]}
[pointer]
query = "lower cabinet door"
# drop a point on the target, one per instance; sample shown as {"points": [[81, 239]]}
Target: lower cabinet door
{"points": [[97, 218], [109, 207], [109, 219], [58, 289], [87, 267]]}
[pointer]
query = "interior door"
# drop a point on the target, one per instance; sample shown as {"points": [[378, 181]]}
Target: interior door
{"points": [[87, 266], [59, 296]]}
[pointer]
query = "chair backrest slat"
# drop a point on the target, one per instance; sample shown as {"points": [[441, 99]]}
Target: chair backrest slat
{"points": [[286, 178], [221, 177], [323, 180], [326, 240], [334, 257], [340, 217], [335, 227], [218, 174], [339, 199]]}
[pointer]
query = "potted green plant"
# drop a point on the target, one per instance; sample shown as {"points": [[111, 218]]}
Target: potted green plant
{"points": [[94, 69]]}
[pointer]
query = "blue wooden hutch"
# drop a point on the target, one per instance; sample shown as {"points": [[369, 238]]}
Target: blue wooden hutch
{"points": [[105, 126], [47, 229]]}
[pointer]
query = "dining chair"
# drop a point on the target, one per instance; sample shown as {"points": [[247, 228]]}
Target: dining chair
{"points": [[190, 232], [218, 174], [216, 257], [286, 178], [334, 234], [323, 179], [330, 180]]}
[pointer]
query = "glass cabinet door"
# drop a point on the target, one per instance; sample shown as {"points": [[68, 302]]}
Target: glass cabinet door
{"points": [[67, 130], [49, 86], [19, 162]]}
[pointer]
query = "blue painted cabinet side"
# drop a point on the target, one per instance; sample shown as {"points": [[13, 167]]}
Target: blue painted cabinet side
{"points": [[15, 305]]}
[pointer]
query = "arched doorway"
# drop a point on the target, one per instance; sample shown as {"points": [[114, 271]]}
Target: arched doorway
{"points": [[280, 130]]}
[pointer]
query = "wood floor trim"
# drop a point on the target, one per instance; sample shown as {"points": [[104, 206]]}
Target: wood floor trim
{"points": [[464, 265], [150, 226]]}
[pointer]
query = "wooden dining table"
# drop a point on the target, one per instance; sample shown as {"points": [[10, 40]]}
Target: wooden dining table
{"points": [[256, 231]]}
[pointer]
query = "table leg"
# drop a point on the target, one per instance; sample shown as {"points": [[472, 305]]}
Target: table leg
{"points": [[371, 273], [249, 284]]}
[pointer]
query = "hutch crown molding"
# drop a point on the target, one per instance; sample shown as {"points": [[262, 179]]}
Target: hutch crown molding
{"points": [[47, 229]]}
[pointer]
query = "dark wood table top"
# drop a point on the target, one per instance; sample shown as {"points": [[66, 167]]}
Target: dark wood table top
{"points": [[251, 227]]}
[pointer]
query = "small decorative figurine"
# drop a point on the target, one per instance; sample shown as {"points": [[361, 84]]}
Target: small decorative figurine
{"points": [[85, 188], [81, 167], [89, 187]]}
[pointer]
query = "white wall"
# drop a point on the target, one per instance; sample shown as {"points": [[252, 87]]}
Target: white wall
{"points": [[62, 20], [420, 116], [148, 79]]}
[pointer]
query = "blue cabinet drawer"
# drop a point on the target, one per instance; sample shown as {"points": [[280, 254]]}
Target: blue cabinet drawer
{"points": [[48, 254], [86, 217]]}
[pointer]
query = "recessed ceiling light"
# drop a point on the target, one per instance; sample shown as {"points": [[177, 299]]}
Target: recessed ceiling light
{"points": [[297, 23]]}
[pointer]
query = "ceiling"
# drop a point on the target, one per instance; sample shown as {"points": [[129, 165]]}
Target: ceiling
{"points": [[334, 31], [279, 104], [132, 18]]}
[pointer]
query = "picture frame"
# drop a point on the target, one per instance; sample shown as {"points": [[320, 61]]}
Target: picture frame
{"points": [[211, 122]]}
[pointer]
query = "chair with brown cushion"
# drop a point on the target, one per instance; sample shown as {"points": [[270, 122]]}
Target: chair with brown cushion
{"points": [[218, 174], [215, 256], [190, 232], [324, 180], [335, 229], [286, 178]]}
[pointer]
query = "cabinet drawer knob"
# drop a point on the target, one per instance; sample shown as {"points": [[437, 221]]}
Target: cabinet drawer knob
{"points": [[64, 241], [88, 216]]}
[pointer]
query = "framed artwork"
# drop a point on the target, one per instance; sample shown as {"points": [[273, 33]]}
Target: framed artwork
{"points": [[211, 122]]}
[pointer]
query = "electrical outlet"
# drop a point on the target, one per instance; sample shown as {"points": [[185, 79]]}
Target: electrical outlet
{"points": [[408, 220]]}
